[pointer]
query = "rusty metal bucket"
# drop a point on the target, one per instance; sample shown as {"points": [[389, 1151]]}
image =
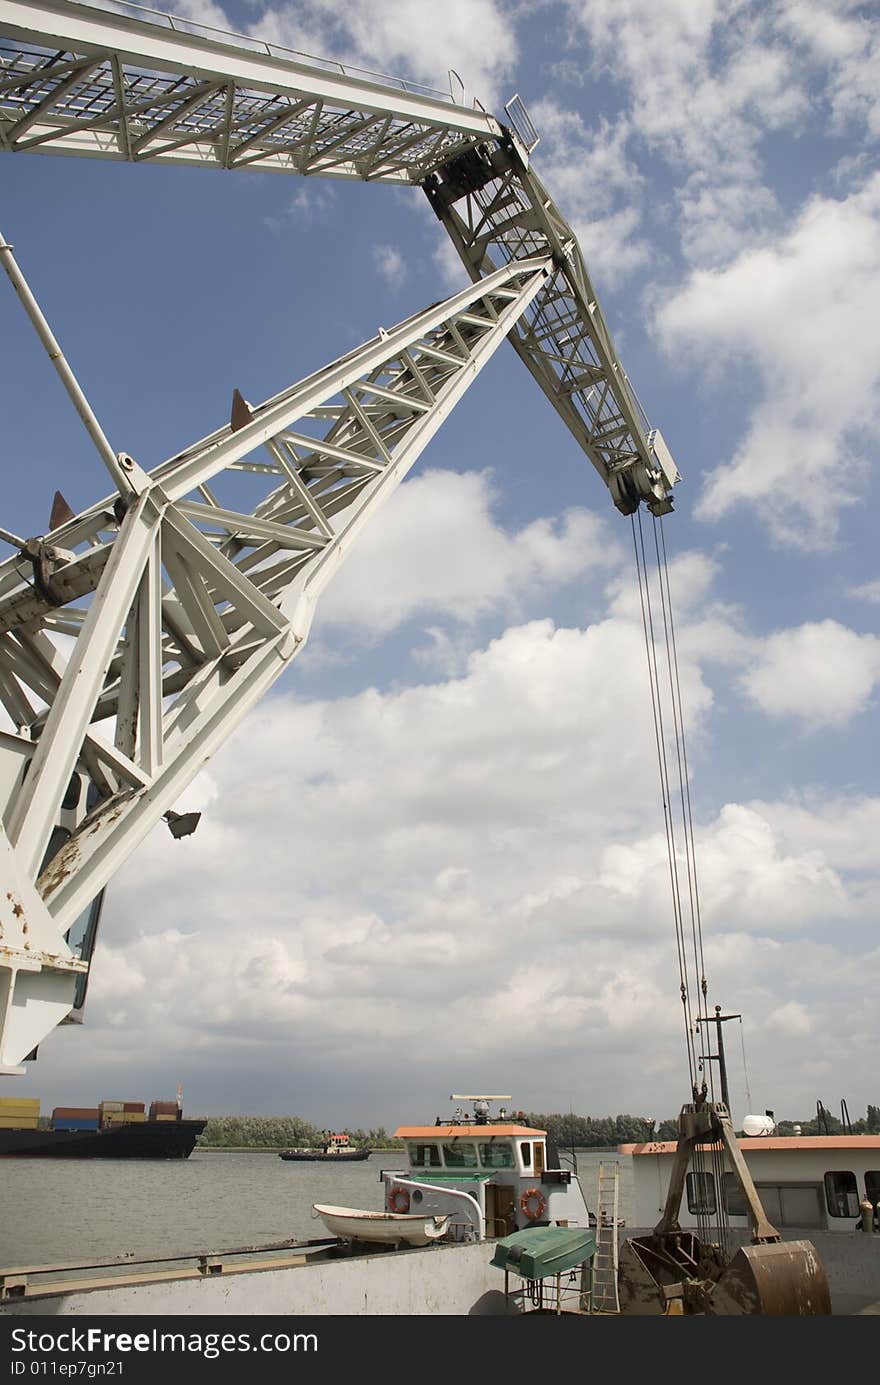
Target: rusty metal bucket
{"points": [[786, 1277], [657, 1275]]}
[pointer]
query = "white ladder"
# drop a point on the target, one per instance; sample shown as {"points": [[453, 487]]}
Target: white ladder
{"points": [[604, 1297]]}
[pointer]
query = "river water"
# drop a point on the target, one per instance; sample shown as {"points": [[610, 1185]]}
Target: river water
{"points": [[58, 1210]]}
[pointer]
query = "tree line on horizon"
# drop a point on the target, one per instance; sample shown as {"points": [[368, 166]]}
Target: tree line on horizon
{"points": [[280, 1132], [591, 1132], [566, 1130]]}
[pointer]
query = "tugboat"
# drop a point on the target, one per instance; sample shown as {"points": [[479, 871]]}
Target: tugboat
{"points": [[483, 1177], [336, 1149], [492, 1175]]}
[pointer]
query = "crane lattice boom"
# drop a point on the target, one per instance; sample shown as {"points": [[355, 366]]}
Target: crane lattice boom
{"points": [[136, 635]]}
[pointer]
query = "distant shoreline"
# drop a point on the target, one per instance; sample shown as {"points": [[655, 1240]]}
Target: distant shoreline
{"points": [[274, 1149]]}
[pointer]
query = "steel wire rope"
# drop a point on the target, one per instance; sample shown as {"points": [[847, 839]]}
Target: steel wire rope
{"points": [[723, 1210], [659, 737], [718, 1216], [745, 1065], [683, 775]]}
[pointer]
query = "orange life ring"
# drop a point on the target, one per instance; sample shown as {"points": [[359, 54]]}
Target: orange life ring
{"points": [[398, 1200], [533, 1204]]}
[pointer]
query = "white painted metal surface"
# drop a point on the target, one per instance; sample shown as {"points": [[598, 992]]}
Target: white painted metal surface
{"points": [[789, 1174], [82, 81], [435, 1279]]}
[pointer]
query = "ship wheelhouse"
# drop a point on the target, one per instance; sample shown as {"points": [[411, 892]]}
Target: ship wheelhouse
{"points": [[492, 1178]]}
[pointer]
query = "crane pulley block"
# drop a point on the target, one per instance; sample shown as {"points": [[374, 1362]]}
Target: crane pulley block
{"points": [[467, 173]]}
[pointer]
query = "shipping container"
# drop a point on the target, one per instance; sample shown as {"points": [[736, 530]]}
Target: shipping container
{"points": [[18, 1122], [163, 1108], [132, 1117], [67, 1112], [15, 1104], [75, 1123], [133, 1106], [160, 1117], [111, 1105]]}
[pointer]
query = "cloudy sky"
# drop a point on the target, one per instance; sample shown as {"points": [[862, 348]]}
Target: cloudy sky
{"points": [[433, 858]]}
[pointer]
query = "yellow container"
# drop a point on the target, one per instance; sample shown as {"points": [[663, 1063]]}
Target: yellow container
{"points": [[15, 1104], [164, 1118], [18, 1122], [132, 1117]]}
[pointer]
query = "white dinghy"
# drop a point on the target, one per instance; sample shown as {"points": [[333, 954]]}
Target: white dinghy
{"points": [[387, 1228]]}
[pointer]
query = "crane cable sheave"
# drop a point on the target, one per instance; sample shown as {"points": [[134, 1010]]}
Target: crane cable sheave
{"points": [[136, 635]]}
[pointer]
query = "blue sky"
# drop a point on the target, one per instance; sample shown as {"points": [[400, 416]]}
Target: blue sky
{"points": [[432, 858]]}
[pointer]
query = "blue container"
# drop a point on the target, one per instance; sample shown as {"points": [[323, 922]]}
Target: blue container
{"points": [[74, 1123]]}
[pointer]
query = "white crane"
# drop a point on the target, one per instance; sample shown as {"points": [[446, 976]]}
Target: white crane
{"points": [[135, 636]]}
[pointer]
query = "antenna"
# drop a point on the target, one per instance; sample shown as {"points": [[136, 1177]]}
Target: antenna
{"points": [[481, 1107], [457, 1097], [718, 1019]]}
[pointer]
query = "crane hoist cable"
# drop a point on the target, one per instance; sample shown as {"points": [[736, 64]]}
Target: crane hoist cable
{"points": [[681, 859], [745, 1066], [709, 1203]]}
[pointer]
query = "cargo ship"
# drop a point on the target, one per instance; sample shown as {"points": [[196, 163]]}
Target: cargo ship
{"points": [[110, 1130]]}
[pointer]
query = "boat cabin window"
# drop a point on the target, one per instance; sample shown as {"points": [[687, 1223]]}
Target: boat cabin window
{"points": [[734, 1197], [525, 1150], [700, 1192], [872, 1187], [460, 1154], [841, 1193], [424, 1156], [496, 1156]]}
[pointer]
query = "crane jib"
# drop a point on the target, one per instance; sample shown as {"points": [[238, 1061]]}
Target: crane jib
{"points": [[168, 608]]}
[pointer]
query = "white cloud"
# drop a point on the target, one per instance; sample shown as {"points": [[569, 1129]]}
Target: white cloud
{"points": [[593, 180], [481, 854], [867, 591], [437, 548], [390, 265], [705, 82], [470, 37], [305, 206], [844, 40], [844, 828], [453, 275], [821, 672], [792, 1018], [801, 314], [482, 873]]}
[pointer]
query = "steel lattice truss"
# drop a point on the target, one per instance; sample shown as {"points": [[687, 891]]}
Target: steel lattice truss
{"points": [[133, 643], [115, 87], [563, 339], [135, 636], [78, 81]]}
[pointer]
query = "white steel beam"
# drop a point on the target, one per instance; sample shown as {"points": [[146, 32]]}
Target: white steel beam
{"points": [[78, 80]]}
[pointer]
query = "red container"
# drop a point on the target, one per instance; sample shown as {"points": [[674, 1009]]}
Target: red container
{"points": [[163, 1108], [75, 1113], [133, 1106]]}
